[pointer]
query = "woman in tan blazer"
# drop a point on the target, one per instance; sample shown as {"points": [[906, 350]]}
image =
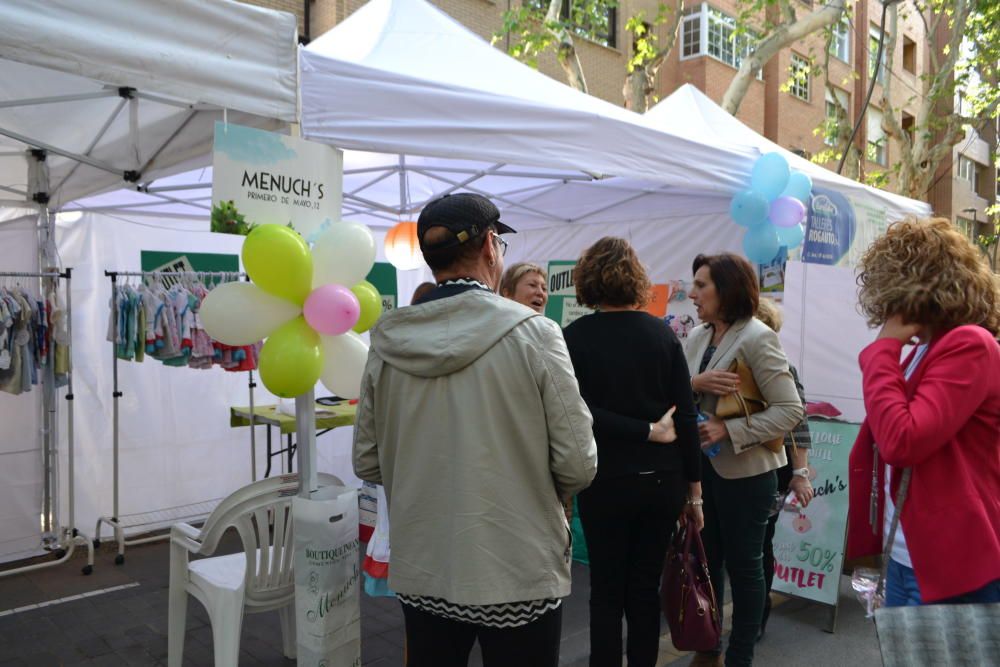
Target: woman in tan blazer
{"points": [[739, 483]]}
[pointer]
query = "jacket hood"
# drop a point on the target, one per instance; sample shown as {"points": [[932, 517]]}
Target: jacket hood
{"points": [[444, 336]]}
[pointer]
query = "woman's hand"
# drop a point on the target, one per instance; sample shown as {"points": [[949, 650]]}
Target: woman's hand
{"points": [[716, 382], [802, 489], [894, 327], [663, 431], [695, 513], [712, 431]]}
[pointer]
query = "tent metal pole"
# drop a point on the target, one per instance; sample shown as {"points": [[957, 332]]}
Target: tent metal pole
{"points": [[175, 200], [93, 144], [14, 190], [34, 143], [173, 188], [305, 424], [35, 101], [149, 163]]}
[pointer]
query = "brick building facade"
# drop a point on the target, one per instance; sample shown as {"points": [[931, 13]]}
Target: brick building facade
{"points": [[705, 57]]}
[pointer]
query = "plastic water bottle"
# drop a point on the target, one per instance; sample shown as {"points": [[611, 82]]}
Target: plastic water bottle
{"points": [[714, 449]]}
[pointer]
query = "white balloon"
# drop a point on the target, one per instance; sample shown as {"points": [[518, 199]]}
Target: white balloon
{"points": [[240, 313], [344, 359], [343, 255]]}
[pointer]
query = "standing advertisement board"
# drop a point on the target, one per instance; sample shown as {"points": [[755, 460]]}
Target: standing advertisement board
{"points": [[809, 543]]}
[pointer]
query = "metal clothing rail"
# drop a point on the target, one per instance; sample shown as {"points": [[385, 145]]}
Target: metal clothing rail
{"points": [[161, 518], [66, 537]]}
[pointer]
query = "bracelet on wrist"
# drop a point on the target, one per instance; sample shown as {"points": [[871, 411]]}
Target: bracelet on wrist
{"points": [[695, 501], [801, 472]]}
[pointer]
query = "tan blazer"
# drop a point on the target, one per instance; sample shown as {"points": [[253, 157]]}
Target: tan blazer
{"points": [[757, 345]]}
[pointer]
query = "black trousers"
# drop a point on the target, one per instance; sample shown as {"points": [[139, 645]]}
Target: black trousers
{"points": [[736, 512], [628, 522], [435, 641]]}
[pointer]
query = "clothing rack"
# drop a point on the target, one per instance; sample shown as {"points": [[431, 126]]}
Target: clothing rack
{"points": [[62, 540], [157, 519]]}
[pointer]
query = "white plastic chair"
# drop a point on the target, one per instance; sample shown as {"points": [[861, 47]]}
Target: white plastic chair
{"points": [[257, 580]]}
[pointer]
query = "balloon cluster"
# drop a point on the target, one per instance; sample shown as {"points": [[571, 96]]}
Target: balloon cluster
{"points": [[300, 302], [772, 209]]}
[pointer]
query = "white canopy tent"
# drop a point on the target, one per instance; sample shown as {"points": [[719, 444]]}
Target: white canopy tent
{"points": [[99, 96], [422, 107], [823, 333]]}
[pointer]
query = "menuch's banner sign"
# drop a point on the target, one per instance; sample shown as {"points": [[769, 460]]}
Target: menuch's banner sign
{"points": [[270, 178]]}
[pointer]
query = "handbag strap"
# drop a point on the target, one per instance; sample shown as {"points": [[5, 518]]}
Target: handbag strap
{"points": [[904, 486]]}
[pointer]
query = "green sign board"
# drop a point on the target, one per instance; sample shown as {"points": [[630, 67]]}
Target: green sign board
{"points": [[383, 277], [809, 542], [562, 305], [155, 260]]}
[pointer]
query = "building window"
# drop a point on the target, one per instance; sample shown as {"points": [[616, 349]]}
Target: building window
{"points": [[691, 32], [873, 40], [840, 44], [708, 31], [908, 123], [601, 28], [832, 118], [877, 150], [909, 55], [971, 171], [800, 73], [965, 226]]}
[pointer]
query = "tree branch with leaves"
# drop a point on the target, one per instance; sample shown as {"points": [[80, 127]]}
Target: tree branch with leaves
{"points": [[788, 30], [649, 53]]}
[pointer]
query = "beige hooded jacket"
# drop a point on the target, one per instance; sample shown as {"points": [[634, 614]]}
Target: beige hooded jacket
{"points": [[471, 417]]}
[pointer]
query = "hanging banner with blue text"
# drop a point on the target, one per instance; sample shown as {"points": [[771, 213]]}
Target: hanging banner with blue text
{"points": [[270, 178], [809, 542]]}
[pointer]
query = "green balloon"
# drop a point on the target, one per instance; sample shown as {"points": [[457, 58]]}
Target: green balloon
{"points": [[371, 305], [278, 261], [291, 360]]}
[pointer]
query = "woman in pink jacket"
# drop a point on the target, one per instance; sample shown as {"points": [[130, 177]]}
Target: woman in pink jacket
{"points": [[937, 413]]}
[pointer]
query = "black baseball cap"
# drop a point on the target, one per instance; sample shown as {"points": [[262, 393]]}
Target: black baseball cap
{"points": [[465, 214]]}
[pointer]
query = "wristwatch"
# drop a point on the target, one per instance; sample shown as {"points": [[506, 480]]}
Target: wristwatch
{"points": [[801, 472]]}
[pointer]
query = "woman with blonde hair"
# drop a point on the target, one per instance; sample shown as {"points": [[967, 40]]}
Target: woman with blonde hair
{"points": [[929, 448], [527, 284], [634, 378]]}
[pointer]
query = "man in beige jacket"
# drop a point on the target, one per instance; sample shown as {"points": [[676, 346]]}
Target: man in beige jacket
{"points": [[471, 417]]}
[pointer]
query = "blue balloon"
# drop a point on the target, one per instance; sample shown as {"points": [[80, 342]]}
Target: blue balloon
{"points": [[749, 208], [799, 186], [770, 175], [761, 243], [791, 237]]}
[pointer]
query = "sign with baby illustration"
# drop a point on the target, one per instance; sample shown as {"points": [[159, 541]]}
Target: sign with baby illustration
{"points": [[809, 542], [269, 178]]}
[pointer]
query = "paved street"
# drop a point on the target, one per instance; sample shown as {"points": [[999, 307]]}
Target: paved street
{"points": [[125, 623]]}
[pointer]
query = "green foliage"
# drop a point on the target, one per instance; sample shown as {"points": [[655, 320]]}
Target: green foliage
{"points": [[531, 34], [227, 220], [645, 42], [877, 179]]}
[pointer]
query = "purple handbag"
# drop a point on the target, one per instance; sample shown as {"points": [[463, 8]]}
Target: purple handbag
{"points": [[686, 594]]}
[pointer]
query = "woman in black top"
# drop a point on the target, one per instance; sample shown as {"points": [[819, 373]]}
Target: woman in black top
{"points": [[635, 381]]}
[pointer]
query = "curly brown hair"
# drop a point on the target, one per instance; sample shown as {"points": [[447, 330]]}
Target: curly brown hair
{"points": [[609, 273], [927, 272]]}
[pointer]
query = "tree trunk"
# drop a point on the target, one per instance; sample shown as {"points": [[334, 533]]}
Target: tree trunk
{"points": [[566, 53], [783, 36], [637, 89]]}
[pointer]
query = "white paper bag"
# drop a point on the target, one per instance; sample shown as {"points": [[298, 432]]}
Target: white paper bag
{"points": [[327, 585]]}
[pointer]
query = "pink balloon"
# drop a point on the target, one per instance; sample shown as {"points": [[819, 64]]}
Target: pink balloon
{"points": [[332, 309], [787, 211]]}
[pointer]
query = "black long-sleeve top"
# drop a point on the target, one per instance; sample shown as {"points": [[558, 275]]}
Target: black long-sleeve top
{"points": [[631, 369]]}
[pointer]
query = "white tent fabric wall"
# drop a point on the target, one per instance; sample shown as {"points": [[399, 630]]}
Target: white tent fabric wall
{"points": [[21, 473], [176, 446], [824, 333]]}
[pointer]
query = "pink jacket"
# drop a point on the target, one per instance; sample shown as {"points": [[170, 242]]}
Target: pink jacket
{"points": [[945, 424]]}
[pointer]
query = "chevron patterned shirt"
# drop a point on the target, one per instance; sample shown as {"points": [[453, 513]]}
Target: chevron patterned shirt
{"points": [[504, 615]]}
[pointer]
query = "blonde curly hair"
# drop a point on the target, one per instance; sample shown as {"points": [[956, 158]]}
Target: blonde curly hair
{"points": [[929, 273]]}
